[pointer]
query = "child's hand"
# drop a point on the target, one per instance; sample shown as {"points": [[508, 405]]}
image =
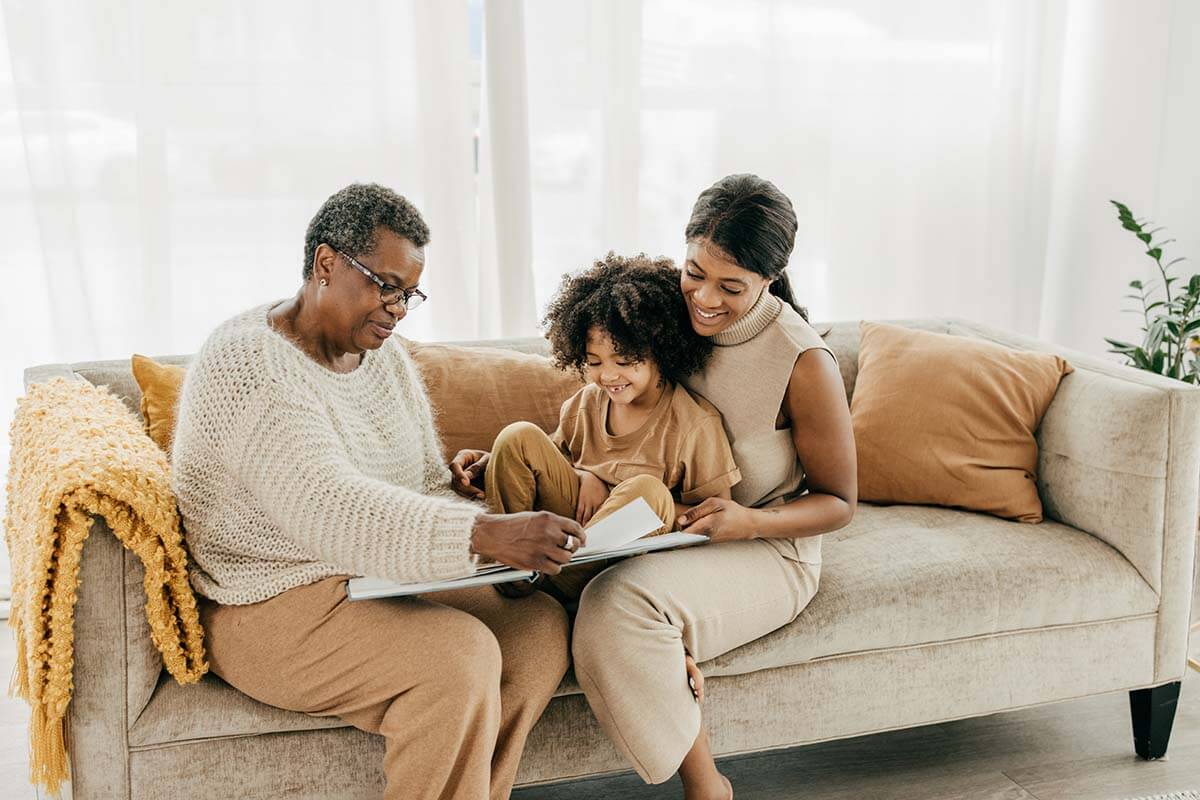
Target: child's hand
{"points": [[467, 471], [592, 494], [695, 677]]}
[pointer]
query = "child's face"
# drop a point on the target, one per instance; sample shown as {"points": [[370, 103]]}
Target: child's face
{"points": [[624, 380]]}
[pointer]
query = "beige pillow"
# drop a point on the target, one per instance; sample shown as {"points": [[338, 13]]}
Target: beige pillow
{"points": [[950, 420], [160, 385], [476, 391]]}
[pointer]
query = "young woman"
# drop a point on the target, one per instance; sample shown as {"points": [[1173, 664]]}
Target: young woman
{"points": [[784, 408]]}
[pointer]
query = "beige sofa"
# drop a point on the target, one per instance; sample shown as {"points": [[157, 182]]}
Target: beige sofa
{"points": [[923, 615]]}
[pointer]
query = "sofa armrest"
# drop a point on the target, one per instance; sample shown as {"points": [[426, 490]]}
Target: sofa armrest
{"points": [[1119, 458]]}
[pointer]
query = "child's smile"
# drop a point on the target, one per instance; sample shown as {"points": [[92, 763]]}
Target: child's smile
{"points": [[627, 382]]}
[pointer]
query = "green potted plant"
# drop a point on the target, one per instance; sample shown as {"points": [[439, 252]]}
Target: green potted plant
{"points": [[1170, 319]]}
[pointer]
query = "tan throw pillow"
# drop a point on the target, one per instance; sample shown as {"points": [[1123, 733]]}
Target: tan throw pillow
{"points": [[160, 385], [476, 391], [950, 420]]}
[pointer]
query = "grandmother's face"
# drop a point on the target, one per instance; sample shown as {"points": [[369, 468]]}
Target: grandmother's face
{"points": [[350, 304]]}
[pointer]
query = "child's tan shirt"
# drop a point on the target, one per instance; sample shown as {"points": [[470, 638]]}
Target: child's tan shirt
{"points": [[683, 443]]}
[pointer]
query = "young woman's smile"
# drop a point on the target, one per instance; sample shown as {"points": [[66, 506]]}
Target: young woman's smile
{"points": [[717, 291]]}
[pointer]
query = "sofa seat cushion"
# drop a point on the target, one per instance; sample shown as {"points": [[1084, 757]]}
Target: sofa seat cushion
{"points": [[897, 576]]}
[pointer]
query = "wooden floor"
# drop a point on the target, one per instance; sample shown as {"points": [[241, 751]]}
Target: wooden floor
{"points": [[1082, 749]]}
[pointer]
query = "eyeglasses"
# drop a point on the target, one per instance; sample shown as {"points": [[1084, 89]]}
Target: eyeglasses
{"points": [[389, 295]]}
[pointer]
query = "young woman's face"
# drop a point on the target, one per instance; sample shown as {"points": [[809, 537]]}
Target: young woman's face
{"points": [[718, 292], [622, 379]]}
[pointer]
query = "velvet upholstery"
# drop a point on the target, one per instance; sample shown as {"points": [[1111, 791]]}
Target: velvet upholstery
{"points": [[924, 615]]}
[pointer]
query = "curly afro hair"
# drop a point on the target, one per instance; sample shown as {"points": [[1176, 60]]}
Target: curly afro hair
{"points": [[637, 302], [348, 219]]}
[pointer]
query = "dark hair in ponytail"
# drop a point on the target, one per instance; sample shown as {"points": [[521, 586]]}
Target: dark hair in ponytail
{"points": [[750, 220]]}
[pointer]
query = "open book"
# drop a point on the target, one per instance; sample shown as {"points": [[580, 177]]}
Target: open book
{"points": [[617, 535]]}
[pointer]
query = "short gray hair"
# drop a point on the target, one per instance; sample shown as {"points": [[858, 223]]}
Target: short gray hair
{"points": [[348, 219]]}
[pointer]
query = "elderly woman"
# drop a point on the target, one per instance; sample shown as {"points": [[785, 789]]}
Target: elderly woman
{"points": [[305, 454]]}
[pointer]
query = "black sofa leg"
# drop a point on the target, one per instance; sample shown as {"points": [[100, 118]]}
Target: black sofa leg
{"points": [[1153, 712]]}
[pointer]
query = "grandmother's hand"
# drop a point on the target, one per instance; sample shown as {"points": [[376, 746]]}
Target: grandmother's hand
{"points": [[719, 519], [528, 539], [467, 470]]}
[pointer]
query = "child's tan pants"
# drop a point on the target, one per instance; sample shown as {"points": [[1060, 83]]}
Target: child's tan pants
{"points": [[527, 472], [454, 680]]}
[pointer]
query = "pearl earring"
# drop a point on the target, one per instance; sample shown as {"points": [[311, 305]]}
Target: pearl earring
{"points": [[324, 282]]}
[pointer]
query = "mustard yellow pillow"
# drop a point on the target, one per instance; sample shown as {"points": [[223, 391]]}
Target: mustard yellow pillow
{"points": [[476, 391], [950, 420], [160, 385]]}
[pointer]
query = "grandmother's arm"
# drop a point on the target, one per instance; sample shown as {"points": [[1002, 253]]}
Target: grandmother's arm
{"points": [[815, 403]]}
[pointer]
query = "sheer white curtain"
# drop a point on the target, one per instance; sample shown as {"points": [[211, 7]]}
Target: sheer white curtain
{"points": [[159, 162], [944, 158]]}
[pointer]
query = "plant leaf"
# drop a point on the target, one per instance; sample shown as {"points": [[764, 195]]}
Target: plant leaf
{"points": [[1155, 253], [1156, 363], [1145, 237]]}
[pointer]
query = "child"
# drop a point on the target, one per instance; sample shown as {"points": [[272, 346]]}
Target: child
{"points": [[634, 430]]}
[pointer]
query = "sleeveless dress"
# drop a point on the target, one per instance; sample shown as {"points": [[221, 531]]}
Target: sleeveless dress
{"points": [[759, 351]]}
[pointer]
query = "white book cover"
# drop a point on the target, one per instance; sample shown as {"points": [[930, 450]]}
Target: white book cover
{"points": [[620, 534]]}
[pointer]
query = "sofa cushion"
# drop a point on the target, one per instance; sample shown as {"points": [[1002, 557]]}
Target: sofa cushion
{"points": [[950, 420], [160, 385], [897, 576], [476, 391]]}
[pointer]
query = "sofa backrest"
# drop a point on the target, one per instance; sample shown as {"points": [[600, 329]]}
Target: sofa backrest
{"points": [[842, 338]]}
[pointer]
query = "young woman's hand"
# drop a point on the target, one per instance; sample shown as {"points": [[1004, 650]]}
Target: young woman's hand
{"points": [[719, 519], [695, 677], [527, 540], [592, 494], [466, 473]]}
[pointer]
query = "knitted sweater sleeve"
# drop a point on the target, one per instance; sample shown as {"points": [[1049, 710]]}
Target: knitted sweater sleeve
{"points": [[285, 452]]}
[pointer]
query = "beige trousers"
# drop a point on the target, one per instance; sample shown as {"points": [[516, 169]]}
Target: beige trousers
{"points": [[636, 619], [527, 472], [453, 681]]}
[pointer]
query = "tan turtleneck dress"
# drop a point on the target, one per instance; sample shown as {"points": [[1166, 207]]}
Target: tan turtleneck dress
{"points": [[746, 381], [637, 619]]}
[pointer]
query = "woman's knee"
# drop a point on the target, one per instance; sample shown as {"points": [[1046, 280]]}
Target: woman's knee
{"points": [[611, 605], [468, 660], [544, 654]]}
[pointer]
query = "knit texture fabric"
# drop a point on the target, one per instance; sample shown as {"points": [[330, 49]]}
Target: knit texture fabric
{"points": [[77, 453], [287, 472]]}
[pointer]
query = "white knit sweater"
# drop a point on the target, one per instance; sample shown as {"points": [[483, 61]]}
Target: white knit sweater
{"points": [[287, 472]]}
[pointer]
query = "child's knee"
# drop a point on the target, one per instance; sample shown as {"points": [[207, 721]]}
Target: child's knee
{"points": [[516, 435], [655, 493]]}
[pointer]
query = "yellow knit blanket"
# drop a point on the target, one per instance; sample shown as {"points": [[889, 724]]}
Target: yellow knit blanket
{"points": [[77, 452]]}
